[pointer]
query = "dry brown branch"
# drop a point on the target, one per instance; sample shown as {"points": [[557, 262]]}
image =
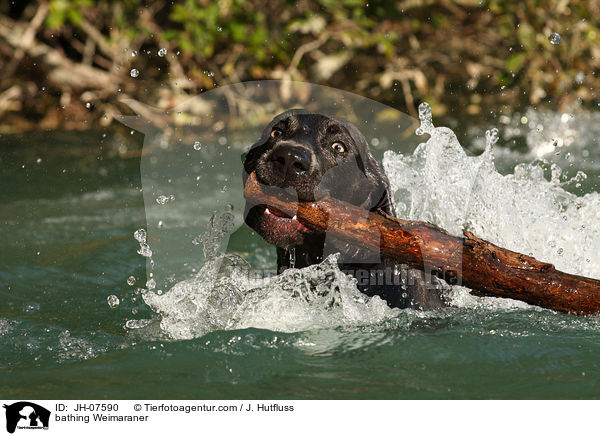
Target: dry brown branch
{"points": [[26, 40], [62, 71]]}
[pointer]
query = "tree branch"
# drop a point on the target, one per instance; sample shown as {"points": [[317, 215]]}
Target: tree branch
{"points": [[472, 262]]}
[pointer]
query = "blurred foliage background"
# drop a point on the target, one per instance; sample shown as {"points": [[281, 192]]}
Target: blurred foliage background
{"points": [[68, 63]]}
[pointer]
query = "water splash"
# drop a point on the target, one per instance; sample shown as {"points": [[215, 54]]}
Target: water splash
{"points": [[219, 225], [426, 120], [441, 184], [226, 295], [491, 138], [140, 236]]}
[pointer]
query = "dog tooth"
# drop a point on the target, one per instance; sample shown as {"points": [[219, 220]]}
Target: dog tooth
{"points": [[294, 217], [267, 211]]}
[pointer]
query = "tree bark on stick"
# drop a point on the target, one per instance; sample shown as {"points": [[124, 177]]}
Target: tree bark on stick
{"points": [[488, 270]]}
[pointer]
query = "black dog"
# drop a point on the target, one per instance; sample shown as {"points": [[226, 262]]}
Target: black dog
{"points": [[318, 155]]}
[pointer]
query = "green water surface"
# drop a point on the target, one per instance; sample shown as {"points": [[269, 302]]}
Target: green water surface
{"points": [[69, 204]]}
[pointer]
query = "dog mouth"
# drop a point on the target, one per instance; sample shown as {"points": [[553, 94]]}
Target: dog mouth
{"points": [[275, 226], [276, 217]]}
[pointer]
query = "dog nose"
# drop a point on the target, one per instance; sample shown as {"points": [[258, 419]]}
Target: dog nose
{"points": [[290, 159]]}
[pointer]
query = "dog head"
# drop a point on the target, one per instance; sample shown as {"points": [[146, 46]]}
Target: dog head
{"points": [[313, 155]]}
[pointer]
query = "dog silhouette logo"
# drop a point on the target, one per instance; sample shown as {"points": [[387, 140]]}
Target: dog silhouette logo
{"points": [[26, 415]]}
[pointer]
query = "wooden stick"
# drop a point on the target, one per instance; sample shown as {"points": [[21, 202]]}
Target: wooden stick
{"points": [[485, 268]]}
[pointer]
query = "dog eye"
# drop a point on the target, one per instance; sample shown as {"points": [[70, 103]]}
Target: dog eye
{"points": [[339, 147], [276, 133]]}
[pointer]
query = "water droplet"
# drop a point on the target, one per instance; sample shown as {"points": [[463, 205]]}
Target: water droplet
{"points": [[113, 301], [219, 29], [145, 251], [197, 145], [161, 224], [151, 284], [31, 307], [140, 236], [134, 53], [134, 72], [491, 137], [137, 323], [131, 281], [426, 119], [162, 52], [554, 38], [162, 199], [39, 160]]}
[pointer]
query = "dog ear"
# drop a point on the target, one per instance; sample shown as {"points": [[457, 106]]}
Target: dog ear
{"points": [[382, 201], [378, 199]]}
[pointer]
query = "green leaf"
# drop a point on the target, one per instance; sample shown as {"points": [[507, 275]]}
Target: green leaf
{"points": [[515, 62]]}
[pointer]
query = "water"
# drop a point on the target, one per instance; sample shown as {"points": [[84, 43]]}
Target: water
{"points": [[554, 38], [71, 203]]}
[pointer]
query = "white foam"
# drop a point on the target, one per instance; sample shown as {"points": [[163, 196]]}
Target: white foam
{"points": [[527, 211], [224, 296]]}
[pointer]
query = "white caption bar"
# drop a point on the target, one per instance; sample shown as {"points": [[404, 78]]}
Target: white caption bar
{"points": [[22, 417]]}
